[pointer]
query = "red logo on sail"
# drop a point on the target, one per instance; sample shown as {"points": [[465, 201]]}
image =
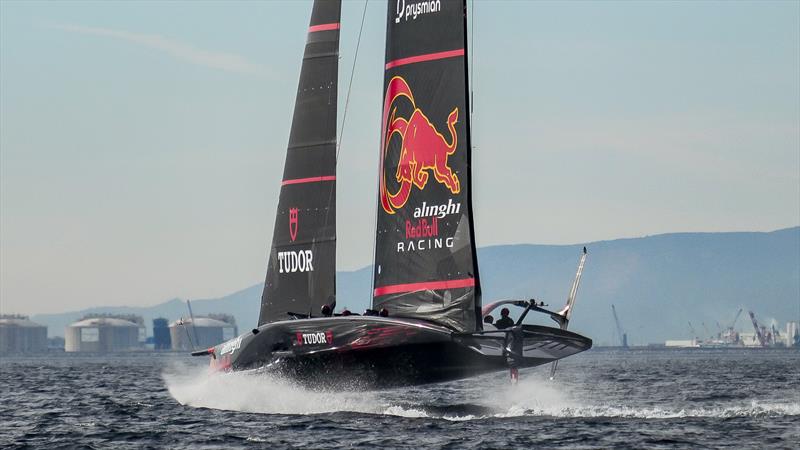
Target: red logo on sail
{"points": [[424, 150], [293, 223]]}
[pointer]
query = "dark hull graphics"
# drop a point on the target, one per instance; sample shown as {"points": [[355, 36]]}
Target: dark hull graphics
{"points": [[367, 352]]}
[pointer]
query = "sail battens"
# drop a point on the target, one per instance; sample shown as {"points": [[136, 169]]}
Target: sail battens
{"points": [[309, 145], [309, 180], [424, 58], [424, 286], [323, 27]]}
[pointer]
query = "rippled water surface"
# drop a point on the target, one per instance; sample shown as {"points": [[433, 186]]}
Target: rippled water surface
{"points": [[637, 399]]}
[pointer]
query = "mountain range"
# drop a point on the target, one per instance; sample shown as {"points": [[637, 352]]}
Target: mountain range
{"points": [[658, 285]]}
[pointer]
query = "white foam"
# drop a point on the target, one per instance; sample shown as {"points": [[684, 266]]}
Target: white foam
{"points": [[260, 393], [405, 412]]}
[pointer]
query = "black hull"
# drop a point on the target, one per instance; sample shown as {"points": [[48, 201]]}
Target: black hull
{"points": [[358, 352]]}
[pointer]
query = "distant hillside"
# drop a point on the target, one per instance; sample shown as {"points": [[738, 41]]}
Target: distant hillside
{"points": [[658, 284]]}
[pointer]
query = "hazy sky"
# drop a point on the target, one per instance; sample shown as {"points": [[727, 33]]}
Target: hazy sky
{"points": [[142, 143]]}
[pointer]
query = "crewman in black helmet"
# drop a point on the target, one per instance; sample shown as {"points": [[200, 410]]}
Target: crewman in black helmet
{"points": [[504, 321]]}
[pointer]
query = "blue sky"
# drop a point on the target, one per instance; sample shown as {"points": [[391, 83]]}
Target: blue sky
{"points": [[142, 143]]}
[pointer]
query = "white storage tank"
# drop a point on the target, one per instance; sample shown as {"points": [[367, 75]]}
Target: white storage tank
{"points": [[19, 335], [105, 333]]}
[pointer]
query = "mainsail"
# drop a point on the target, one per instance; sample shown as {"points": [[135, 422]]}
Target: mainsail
{"points": [[301, 273], [425, 259]]}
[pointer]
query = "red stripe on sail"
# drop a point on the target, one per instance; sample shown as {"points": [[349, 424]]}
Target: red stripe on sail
{"points": [[308, 180], [423, 58], [428, 285], [323, 27]]}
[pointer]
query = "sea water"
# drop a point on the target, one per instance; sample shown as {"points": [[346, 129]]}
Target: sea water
{"points": [[634, 399]]}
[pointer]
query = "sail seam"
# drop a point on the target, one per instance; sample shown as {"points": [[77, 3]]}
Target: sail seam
{"points": [[309, 180], [310, 145], [424, 286], [424, 58]]}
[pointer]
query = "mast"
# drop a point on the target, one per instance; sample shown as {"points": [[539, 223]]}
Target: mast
{"points": [[301, 271], [425, 258]]}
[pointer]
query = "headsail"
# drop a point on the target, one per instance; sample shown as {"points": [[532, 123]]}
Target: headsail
{"points": [[425, 259], [301, 273]]}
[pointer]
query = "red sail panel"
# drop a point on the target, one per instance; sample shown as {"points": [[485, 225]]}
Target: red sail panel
{"points": [[425, 259], [301, 272]]}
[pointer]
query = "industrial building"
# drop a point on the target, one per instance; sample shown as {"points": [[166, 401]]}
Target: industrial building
{"points": [[105, 333], [19, 335], [161, 338], [202, 332]]}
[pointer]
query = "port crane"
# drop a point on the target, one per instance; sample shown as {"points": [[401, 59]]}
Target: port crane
{"points": [[730, 336], [776, 335], [761, 339], [733, 325], [622, 335]]}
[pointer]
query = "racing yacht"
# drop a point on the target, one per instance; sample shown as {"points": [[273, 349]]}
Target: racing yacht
{"points": [[426, 323]]}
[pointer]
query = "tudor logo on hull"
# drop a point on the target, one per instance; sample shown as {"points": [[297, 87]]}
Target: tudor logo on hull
{"points": [[314, 338]]}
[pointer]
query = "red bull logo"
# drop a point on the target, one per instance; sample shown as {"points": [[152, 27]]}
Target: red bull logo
{"points": [[424, 150]]}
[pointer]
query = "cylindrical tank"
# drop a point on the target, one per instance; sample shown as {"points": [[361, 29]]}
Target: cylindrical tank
{"points": [[203, 332], [102, 334], [19, 335], [161, 338]]}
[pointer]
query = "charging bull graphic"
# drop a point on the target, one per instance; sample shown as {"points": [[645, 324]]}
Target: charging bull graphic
{"points": [[424, 150]]}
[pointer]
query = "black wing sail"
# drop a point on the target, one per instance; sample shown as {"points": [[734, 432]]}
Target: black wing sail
{"points": [[301, 272], [425, 259]]}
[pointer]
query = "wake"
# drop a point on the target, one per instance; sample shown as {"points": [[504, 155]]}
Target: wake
{"points": [[266, 394]]}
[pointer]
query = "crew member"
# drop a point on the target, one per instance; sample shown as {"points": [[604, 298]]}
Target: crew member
{"points": [[504, 321]]}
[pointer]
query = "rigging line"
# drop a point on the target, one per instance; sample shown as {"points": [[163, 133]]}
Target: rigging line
{"points": [[350, 84], [472, 60]]}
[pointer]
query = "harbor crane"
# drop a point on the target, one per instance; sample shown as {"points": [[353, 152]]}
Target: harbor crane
{"points": [[622, 335], [733, 325], [761, 339]]}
